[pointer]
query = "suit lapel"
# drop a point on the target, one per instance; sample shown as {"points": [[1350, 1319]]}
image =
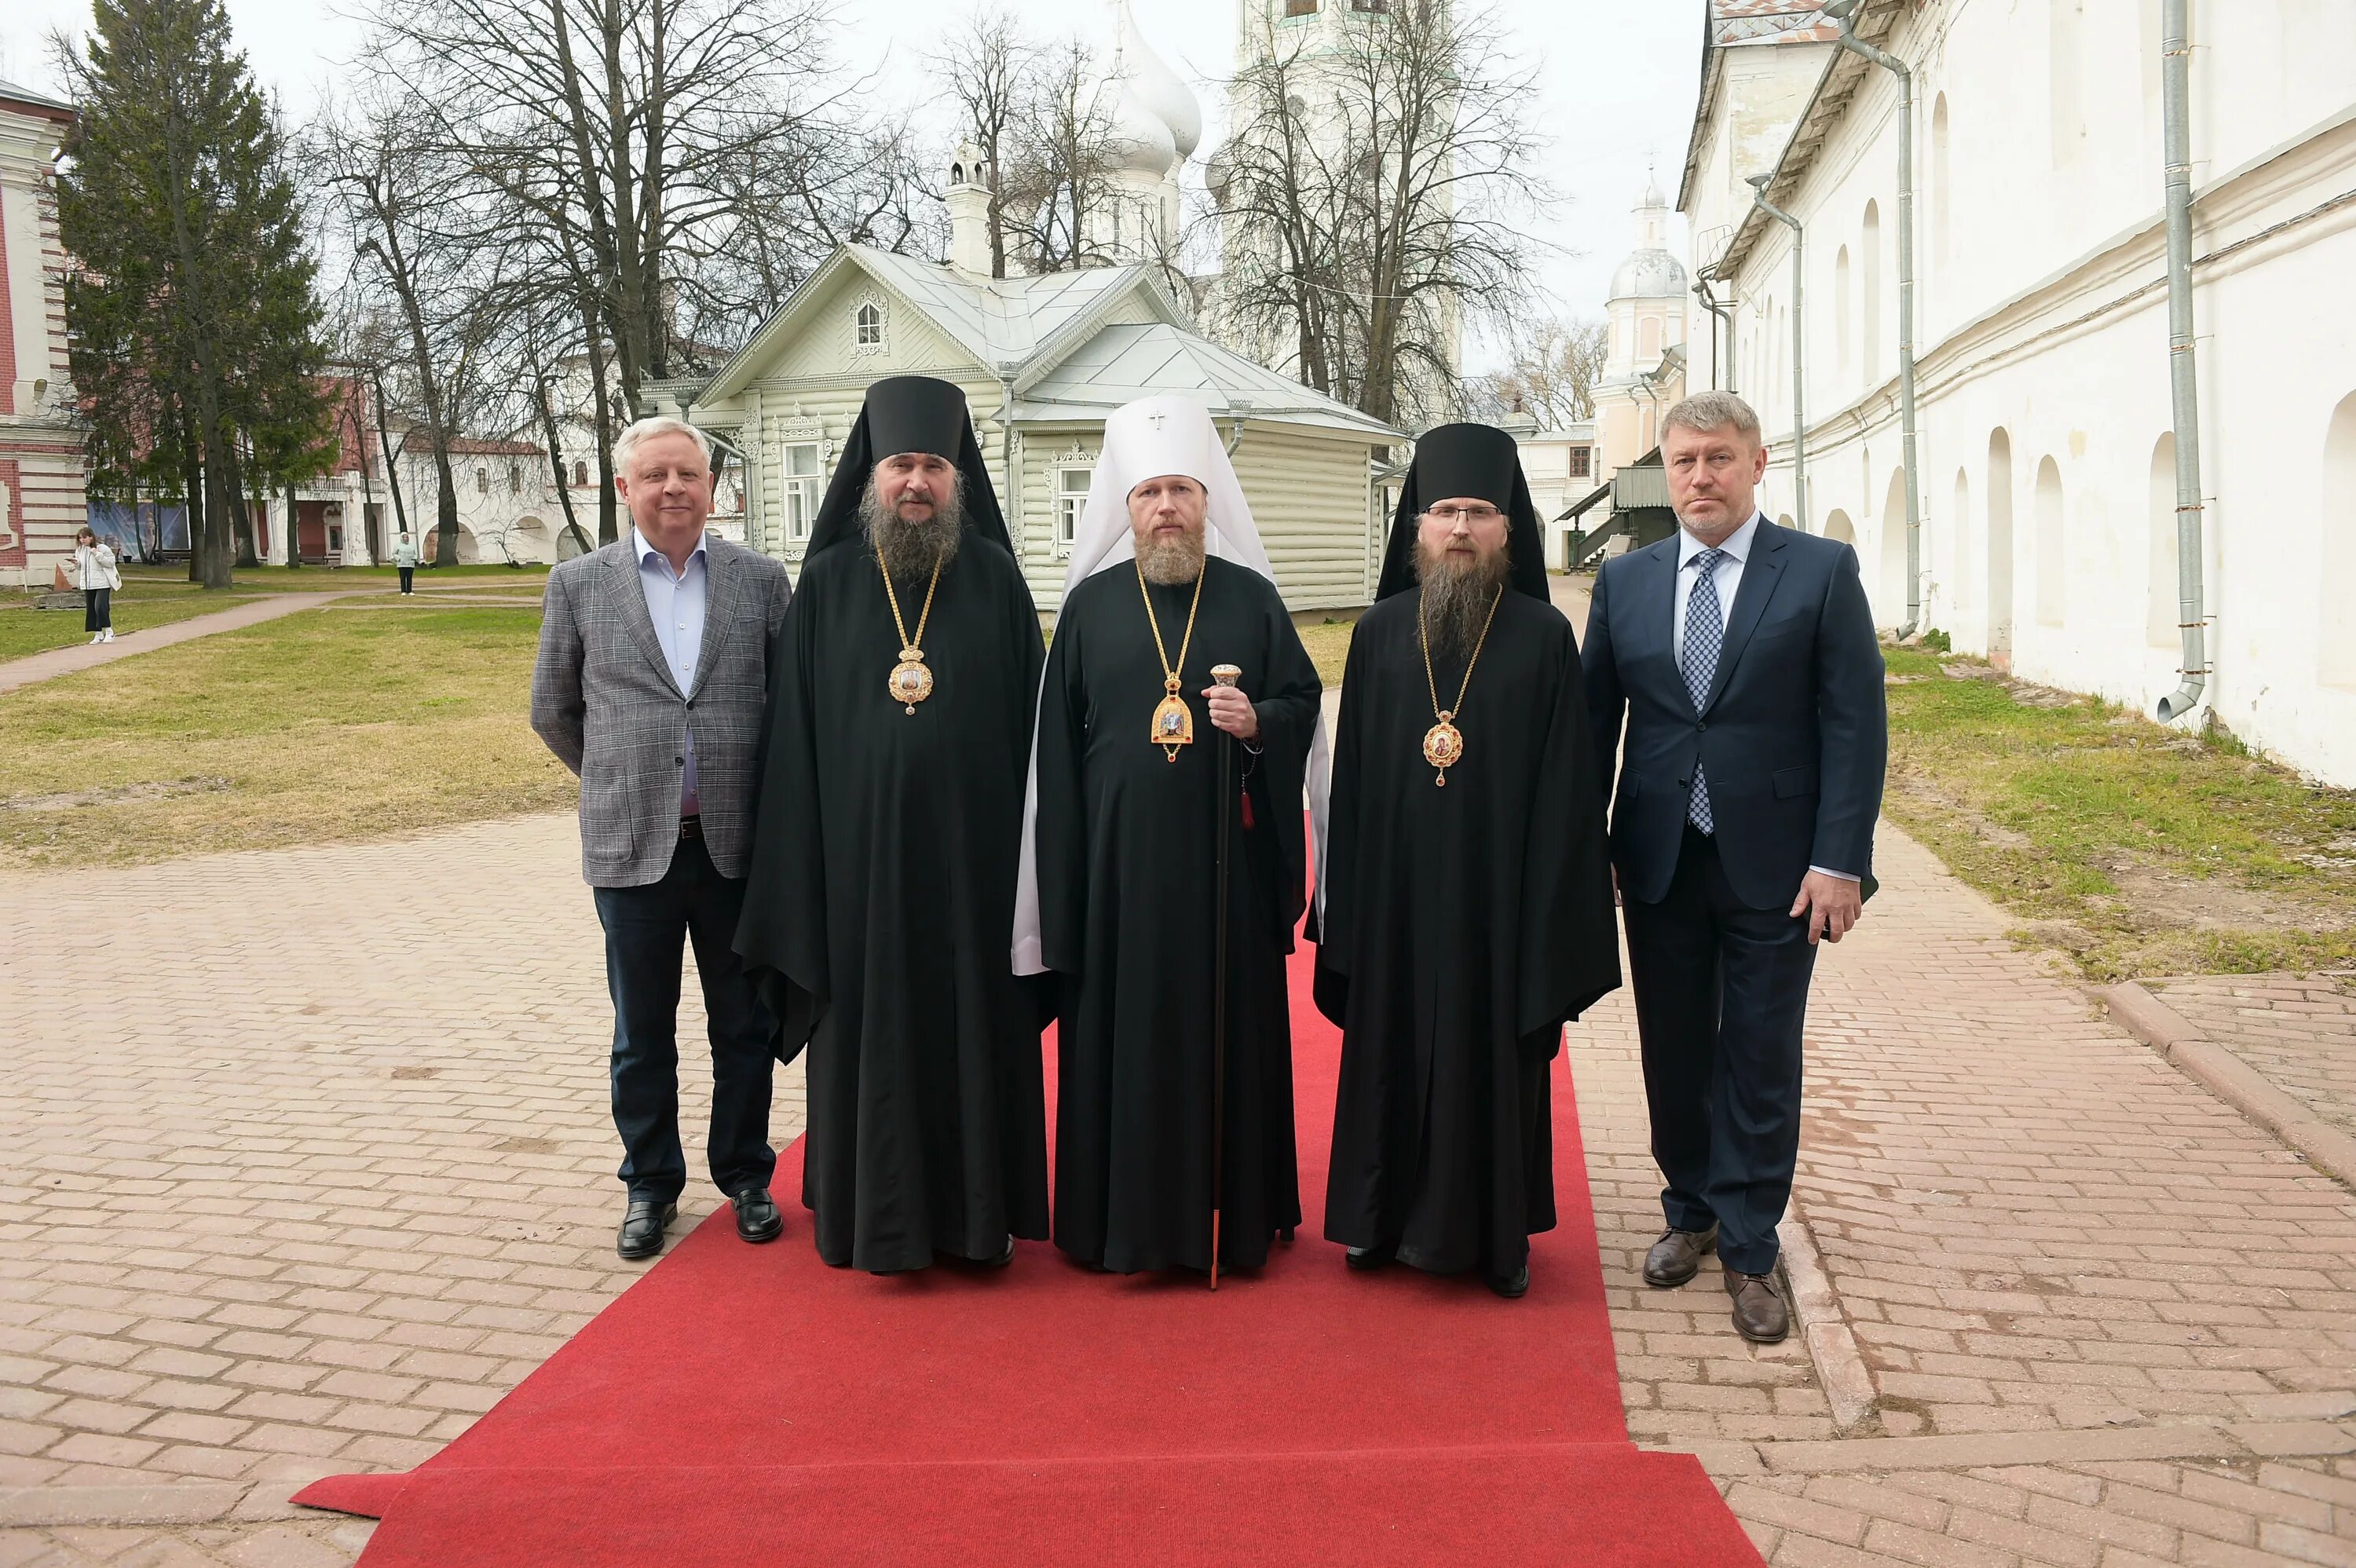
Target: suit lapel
{"points": [[632, 593], [719, 604], [1656, 606], [1760, 575]]}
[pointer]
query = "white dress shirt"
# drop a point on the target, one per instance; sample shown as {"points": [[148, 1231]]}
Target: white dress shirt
{"points": [[1735, 552], [1733, 555], [675, 604]]}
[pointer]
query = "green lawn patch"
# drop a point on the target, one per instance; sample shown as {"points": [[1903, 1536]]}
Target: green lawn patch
{"points": [[322, 726], [137, 608], [2139, 851]]}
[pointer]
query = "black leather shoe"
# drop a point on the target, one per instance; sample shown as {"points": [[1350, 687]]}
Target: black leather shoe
{"points": [[1676, 1256], [1003, 1258], [642, 1228], [1514, 1286], [1760, 1314], [758, 1219], [1369, 1257]]}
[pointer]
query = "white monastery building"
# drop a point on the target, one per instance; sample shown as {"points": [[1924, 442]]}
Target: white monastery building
{"points": [[2046, 485], [41, 501]]}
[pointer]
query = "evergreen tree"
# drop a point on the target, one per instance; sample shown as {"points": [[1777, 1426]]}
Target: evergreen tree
{"points": [[193, 291]]}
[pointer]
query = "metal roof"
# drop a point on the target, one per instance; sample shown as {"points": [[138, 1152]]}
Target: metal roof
{"points": [[1121, 364], [1845, 74], [1004, 321], [40, 102], [1042, 336], [1013, 327], [1734, 24]]}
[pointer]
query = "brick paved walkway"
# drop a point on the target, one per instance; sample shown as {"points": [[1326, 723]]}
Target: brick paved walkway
{"points": [[335, 1173], [2298, 1031]]}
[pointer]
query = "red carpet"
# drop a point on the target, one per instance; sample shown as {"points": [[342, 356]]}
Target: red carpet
{"points": [[750, 1405]]}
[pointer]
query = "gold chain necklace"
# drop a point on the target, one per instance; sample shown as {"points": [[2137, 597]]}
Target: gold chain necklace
{"points": [[1443, 744], [1173, 722], [910, 681]]}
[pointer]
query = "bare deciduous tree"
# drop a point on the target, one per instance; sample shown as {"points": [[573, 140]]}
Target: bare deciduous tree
{"points": [[1551, 377], [1370, 186]]}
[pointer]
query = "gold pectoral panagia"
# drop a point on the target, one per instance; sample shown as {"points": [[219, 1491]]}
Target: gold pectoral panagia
{"points": [[1173, 722]]}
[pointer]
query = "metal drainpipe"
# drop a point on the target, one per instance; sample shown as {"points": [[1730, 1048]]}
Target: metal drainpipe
{"points": [[1799, 347], [2176, 99], [1718, 363], [1843, 13]]}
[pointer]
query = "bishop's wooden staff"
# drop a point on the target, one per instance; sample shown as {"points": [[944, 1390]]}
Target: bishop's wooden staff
{"points": [[1226, 674]]}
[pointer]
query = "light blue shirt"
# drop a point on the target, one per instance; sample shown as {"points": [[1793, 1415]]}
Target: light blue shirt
{"points": [[675, 604], [1733, 555]]}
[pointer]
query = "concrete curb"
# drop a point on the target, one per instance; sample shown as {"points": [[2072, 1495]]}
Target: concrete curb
{"points": [[2232, 1080], [1824, 1328], [164, 1503]]}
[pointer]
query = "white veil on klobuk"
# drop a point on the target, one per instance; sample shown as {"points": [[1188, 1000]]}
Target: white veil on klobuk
{"points": [[1145, 440]]}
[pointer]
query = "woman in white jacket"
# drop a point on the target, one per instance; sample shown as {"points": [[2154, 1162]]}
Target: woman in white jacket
{"points": [[94, 573]]}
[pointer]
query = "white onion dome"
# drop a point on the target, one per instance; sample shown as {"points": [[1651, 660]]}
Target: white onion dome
{"points": [[1648, 274], [1157, 87], [1139, 140]]}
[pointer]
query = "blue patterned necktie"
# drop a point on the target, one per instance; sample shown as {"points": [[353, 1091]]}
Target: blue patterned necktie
{"points": [[1705, 634]]}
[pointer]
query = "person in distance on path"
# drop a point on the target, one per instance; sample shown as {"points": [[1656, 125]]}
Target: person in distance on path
{"points": [[653, 655], [1742, 657], [1169, 579], [888, 826], [1467, 912]]}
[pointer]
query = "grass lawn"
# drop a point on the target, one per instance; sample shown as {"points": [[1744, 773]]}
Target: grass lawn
{"points": [[137, 607], [2139, 851], [1328, 643], [325, 725]]}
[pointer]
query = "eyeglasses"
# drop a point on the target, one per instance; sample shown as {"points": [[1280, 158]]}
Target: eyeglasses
{"points": [[1470, 515]]}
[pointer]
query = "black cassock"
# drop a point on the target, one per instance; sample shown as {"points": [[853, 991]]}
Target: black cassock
{"points": [[1463, 926], [882, 889], [1126, 841]]}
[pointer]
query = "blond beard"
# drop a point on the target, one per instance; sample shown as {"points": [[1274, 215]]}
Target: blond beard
{"points": [[913, 548], [1459, 592], [1165, 563]]}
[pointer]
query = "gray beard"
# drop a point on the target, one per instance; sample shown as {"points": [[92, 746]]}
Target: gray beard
{"points": [[1457, 598], [913, 549], [1167, 563]]}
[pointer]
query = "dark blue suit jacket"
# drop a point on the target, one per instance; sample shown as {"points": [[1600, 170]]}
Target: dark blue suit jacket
{"points": [[1793, 735]]}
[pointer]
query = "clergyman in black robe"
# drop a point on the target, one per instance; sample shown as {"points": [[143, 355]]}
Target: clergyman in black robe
{"points": [[1468, 911], [888, 827], [1126, 849]]}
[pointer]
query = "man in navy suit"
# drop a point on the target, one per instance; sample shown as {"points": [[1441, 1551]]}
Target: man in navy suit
{"points": [[1742, 657]]}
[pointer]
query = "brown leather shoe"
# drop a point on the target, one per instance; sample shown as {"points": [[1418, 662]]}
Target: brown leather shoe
{"points": [[1676, 1256], [1760, 1314]]}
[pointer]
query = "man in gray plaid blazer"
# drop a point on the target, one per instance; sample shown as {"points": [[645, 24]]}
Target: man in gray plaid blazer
{"points": [[651, 685]]}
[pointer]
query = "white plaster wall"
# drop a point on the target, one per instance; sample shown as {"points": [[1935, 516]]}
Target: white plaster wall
{"points": [[2041, 317]]}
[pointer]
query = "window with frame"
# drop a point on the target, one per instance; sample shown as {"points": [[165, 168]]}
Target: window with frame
{"points": [[579, 473], [1072, 482], [1300, 7], [1582, 462], [868, 325], [515, 478], [804, 486], [482, 481]]}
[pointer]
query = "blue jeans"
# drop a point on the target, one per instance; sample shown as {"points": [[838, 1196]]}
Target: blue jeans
{"points": [[646, 930]]}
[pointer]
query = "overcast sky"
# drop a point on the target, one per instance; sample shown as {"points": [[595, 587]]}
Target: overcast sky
{"points": [[1619, 82]]}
